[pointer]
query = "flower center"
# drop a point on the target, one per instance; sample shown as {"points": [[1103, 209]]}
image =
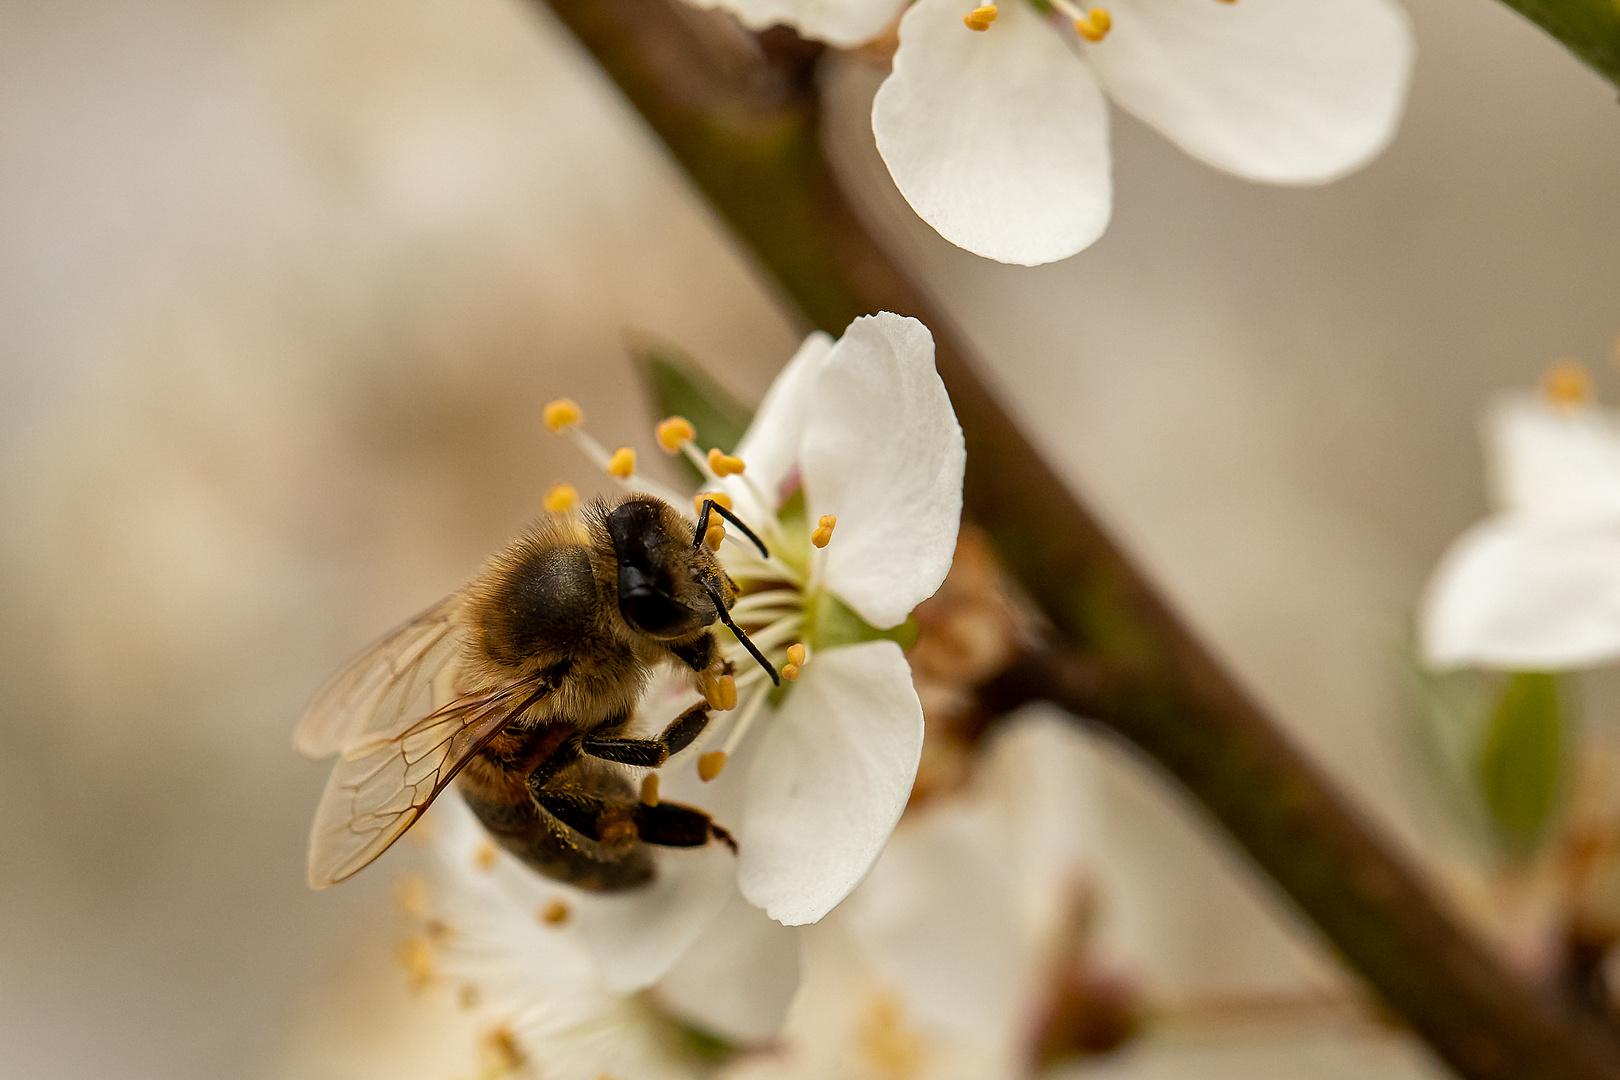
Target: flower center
{"points": [[1092, 24]]}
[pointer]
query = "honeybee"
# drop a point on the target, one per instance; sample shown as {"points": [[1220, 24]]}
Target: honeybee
{"points": [[525, 683]]}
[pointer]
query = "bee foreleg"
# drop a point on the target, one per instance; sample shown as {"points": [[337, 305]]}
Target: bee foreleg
{"points": [[651, 753], [674, 825], [699, 654]]}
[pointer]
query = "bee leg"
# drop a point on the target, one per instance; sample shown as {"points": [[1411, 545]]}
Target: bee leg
{"points": [[650, 753], [614, 822]]}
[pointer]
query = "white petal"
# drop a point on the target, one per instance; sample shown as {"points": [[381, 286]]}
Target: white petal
{"points": [[771, 444], [638, 935], [1554, 463], [1286, 91], [1525, 595], [882, 450], [840, 23], [738, 979], [832, 771], [999, 139], [939, 918]]}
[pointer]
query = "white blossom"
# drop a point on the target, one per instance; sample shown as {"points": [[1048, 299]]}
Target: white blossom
{"points": [[1536, 585], [999, 138]]}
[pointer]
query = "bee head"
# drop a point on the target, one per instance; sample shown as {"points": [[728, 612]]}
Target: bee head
{"points": [[667, 585]]}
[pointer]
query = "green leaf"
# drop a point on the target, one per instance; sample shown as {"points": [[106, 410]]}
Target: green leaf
{"points": [[677, 386], [1521, 760]]}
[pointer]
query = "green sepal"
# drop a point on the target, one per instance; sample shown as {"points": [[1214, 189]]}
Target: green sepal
{"points": [[676, 385], [1521, 760]]}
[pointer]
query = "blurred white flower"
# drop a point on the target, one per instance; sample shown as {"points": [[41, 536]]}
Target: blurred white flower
{"points": [[851, 473], [1536, 586], [999, 139], [840, 23], [943, 962]]}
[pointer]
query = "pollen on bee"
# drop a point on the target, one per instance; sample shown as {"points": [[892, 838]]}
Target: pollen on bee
{"points": [[719, 498], [725, 464], [672, 431], [554, 912], [1567, 384], [710, 764], [416, 957], [714, 535], [484, 856], [561, 498], [822, 536], [622, 463], [980, 18], [562, 413], [649, 790], [1094, 24], [411, 894]]}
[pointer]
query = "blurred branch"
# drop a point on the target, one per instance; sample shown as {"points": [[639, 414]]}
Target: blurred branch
{"points": [[739, 113], [1588, 28]]}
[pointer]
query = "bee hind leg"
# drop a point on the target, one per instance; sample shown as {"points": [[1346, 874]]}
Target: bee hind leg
{"points": [[614, 822], [650, 753]]}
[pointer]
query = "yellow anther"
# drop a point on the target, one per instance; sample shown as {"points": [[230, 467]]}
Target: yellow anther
{"points": [[554, 912], [416, 957], [790, 672], [720, 691], [622, 463], [710, 764], [672, 432], [725, 464], [1567, 384], [719, 498], [713, 536], [980, 18], [411, 894], [649, 790], [728, 692], [502, 1053], [484, 856], [796, 654], [1094, 26], [822, 536], [562, 413], [560, 499]]}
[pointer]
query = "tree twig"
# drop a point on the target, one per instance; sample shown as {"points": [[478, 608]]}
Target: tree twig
{"points": [[739, 113]]}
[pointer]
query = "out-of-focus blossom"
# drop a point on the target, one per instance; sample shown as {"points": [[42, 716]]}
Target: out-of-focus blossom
{"points": [[851, 473], [996, 131], [1536, 586], [841, 23], [946, 961]]}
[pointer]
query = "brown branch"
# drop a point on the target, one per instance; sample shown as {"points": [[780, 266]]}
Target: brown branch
{"points": [[740, 116]]}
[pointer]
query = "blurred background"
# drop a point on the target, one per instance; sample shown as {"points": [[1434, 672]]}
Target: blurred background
{"points": [[284, 284]]}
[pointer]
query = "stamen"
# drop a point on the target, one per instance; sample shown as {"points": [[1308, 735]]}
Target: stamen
{"points": [[719, 498], [796, 654], [562, 413], [790, 672], [555, 912], [724, 464], [416, 957], [822, 536], [561, 499], [484, 856], [710, 764], [1094, 25], [744, 720], [672, 431], [715, 535], [649, 790], [1566, 385], [411, 894], [720, 691], [980, 18], [623, 463]]}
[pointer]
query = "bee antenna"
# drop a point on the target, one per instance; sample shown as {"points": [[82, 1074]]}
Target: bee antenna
{"points": [[703, 526], [725, 617]]}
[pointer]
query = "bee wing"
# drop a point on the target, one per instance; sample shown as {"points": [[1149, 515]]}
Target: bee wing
{"points": [[382, 782], [398, 677]]}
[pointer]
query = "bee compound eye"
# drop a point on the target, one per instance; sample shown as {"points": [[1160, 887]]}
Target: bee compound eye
{"points": [[651, 612]]}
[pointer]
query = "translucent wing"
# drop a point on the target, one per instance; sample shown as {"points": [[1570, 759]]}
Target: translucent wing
{"points": [[383, 781], [400, 678]]}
